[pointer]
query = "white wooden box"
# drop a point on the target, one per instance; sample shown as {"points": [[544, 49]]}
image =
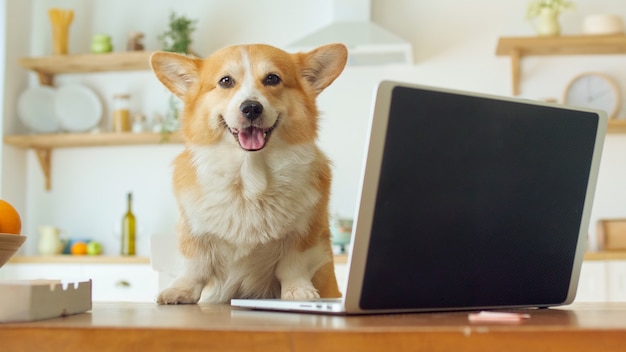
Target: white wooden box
{"points": [[27, 300]]}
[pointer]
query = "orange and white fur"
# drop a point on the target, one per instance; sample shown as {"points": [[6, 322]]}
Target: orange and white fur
{"points": [[252, 186]]}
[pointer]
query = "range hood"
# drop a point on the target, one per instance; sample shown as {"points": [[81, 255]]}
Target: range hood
{"points": [[367, 42]]}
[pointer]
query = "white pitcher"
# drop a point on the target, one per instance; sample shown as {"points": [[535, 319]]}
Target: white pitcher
{"points": [[50, 240]]}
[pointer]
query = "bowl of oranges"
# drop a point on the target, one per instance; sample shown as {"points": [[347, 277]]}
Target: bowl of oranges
{"points": [[10, 229]]}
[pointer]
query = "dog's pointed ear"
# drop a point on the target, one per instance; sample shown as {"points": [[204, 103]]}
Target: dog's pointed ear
{"points": [[322, 65], [177, 72]]}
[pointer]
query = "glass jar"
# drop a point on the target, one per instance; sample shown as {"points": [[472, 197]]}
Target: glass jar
{"points": [[139, 123], [121, 115]]}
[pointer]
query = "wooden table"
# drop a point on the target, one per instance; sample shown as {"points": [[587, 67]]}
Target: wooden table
{"points": [[149, 327]]}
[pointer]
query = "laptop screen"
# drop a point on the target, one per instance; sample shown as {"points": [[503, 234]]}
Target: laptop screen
{"points": [[479, 201]]}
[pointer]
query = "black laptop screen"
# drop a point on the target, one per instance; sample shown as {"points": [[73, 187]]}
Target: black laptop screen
{"points": [[479, 199]]}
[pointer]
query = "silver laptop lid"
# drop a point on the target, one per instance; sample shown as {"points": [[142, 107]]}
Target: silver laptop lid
{"points": [[471, 201]]}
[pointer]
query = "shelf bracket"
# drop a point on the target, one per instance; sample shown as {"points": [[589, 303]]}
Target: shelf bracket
{"points": [[45, 79], [516, 56], [44, 156]]}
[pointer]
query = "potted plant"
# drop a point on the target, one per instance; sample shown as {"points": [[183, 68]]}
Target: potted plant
{"points": [[547, 12], [177, 38]]}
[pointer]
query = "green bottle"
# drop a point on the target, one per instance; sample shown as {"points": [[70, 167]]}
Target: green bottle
{"points": [[128, 229]]}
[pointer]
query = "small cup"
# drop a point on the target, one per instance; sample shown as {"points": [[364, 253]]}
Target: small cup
{"points": [[101, 43]]}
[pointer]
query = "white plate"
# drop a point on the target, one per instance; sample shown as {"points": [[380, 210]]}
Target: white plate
{"points": [[77, 108], [35, 109]]}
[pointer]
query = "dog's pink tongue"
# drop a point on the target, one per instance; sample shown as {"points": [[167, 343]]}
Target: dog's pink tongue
{"points": [[252, 138]]}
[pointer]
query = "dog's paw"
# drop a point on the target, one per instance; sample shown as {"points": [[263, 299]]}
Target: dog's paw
{"points": [[177, 295], [299, 293]]}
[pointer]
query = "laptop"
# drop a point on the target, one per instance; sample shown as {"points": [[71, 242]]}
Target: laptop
{"points": [[467, 202]]}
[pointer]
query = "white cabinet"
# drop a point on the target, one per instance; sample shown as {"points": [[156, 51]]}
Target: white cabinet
{"points": [[602, 281], [341, 272], [122, 282], [110, 282], [592, 285], [616, 271]]}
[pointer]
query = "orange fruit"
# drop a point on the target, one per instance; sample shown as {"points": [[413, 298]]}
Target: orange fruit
{"points": [[79, 248], [10, 221]]}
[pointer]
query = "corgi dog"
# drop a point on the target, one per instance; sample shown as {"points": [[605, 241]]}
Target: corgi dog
{"points": [[252, 186]]}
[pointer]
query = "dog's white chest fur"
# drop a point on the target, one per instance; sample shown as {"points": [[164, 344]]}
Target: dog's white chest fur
{"points": [[248, 199]]}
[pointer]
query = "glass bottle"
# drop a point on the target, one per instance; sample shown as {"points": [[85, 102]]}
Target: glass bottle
{"points": [[128, 229], [121, 115]]}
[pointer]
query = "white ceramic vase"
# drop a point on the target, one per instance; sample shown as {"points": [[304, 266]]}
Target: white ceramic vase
{"points": [[548, 23]]}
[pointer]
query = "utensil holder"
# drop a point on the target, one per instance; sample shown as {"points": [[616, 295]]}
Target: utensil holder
{"points": [[60, 20]]}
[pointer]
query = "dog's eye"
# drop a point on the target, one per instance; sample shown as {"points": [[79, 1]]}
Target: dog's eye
{"points": [[226, 82], [271, 80]]}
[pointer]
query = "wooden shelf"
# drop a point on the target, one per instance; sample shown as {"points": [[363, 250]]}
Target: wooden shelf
{"points": [[43, 144], [341, 258], [48, 66], [562, 45], [518, 47], [78, 259], [617, 126], [70, 140], [606, 255]]}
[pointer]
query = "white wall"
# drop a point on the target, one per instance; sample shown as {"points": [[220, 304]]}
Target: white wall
{"points": [[3, 31], [15, 41], [454, 44]]}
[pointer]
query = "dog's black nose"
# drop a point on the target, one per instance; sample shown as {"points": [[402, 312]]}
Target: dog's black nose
{"points": [[251, 109]]}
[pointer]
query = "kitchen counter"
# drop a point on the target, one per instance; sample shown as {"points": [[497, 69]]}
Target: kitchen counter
{"points": [[149, 327], [103, 259]]}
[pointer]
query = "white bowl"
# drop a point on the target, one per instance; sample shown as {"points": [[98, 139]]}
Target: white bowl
{"points": [[603, 25], [9, 244]]}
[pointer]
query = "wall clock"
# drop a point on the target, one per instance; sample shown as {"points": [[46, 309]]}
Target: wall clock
{"points": [[594, 90]]}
